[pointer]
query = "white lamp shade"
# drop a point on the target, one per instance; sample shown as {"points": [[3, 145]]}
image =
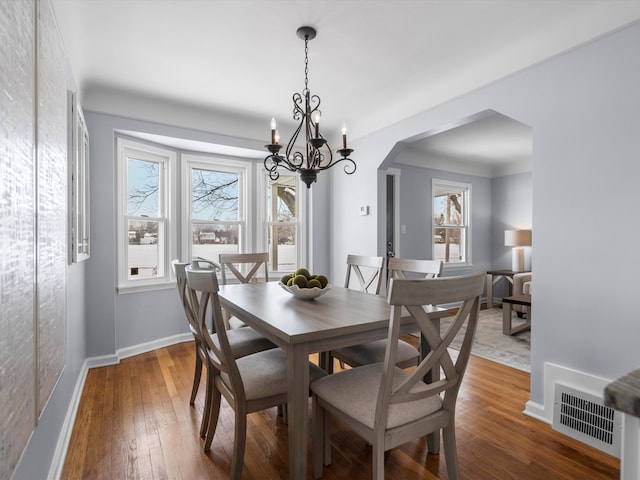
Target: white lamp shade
{"points": [[517, 238], [520, 257]]}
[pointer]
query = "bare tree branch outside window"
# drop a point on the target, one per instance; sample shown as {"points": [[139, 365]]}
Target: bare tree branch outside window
{"points": [[214, 195], [144, 186]]}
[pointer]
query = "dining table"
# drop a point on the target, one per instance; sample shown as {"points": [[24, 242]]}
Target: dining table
{"points": [[339, 318]]}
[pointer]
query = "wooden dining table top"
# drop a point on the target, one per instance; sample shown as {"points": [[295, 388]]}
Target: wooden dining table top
{"points": [[280, 315]]}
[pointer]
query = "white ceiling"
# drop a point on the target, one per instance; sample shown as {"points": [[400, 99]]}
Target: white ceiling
{"points": [[373, 62], [490, 144]]}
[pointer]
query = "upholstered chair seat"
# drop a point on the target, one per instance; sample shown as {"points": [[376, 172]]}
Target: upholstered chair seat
{"points": [[355, 392]]}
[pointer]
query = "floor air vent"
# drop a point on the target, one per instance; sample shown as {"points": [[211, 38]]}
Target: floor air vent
{"points": [[584, 417]]}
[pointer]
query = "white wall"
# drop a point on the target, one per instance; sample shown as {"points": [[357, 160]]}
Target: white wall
{"points": [[582, 107]]}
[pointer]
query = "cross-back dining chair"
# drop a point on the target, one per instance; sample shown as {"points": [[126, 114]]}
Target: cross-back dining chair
{"points": [[389, 406], [414, 268], [373, 352], [243, 342], [250, 383], [181, 282], [237, 264], [367, 272]]}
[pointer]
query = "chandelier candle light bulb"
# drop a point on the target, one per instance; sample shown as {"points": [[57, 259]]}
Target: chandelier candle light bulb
{"points": [[344, 135], [274, 132], [315, 118]]}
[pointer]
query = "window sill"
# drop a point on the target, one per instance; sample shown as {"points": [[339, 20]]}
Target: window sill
{"points": [[456, 266], [149, 287]]}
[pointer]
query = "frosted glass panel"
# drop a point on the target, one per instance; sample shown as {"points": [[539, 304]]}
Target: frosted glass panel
{"points": [[52, 206], [17, 233]]}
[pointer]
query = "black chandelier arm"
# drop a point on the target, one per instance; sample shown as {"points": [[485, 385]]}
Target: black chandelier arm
{"points": [[298, 111], [314, 103], [349, 168], [271, 163]]}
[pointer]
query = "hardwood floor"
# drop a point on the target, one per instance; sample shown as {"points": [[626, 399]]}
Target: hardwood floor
{"points": [[134, 421]]}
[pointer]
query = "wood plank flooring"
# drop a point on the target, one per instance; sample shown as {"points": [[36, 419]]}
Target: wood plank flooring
{"points": [[134, 422]]}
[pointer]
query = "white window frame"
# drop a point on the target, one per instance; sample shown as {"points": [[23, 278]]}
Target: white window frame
{"points": [[78, 137], [168, 159], [262, 238], [466, 228], [209, 162]]}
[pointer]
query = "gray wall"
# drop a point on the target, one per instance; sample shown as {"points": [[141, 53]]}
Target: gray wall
{"points": [[511, 207], [582, 107], [117, 321], [415, 214]]}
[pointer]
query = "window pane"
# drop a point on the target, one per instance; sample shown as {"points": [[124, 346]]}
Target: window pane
{"points": [[450, 222], [282, 253], [447, 245], [143, 180], [210, 240], [448, 209], [144, 250], [281, 199], [214, 195]]}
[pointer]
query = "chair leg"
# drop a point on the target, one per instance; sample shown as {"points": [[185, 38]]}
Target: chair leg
{"points": [[377, 452], [326, 362], [283, 412], [214, 413], [209, 392], [239, 444], [450, 451], [196, 379]]}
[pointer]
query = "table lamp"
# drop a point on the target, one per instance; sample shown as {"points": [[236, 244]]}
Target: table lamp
{"points": [[519, 258]]}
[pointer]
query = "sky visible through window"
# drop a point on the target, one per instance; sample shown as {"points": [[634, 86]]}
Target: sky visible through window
{"points": [[143, 182]]}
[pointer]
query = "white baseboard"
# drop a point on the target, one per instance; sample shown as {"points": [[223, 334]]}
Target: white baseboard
{"points": [[62, 446], [60, 453], [536, 410], [102, 361], [153, 345]]}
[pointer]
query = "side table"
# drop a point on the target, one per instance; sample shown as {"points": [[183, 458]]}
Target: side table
{"points": [[493, 276], [507, 304]]}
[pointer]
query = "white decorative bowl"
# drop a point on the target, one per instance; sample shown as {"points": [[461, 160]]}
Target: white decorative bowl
{"points": [[305, 293]]}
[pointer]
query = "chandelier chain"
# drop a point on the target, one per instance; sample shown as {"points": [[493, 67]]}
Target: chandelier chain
{"points": [[306, 63]]}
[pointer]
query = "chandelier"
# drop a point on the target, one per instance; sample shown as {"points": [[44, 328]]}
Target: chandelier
{"points": [[317, 155]]}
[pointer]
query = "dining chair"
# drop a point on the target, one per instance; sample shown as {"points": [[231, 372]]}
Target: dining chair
{"points": [[181, 282], [373, 352], [367, 271], [243, 342], [238, 264], [250, 262], [364, 273], [389, 406], [249, 384]]}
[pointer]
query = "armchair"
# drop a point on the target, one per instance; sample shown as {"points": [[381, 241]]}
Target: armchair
{"points": [[521, 286]]}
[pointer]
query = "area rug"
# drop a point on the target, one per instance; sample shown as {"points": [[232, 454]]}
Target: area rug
{"points": [[490, 343]]}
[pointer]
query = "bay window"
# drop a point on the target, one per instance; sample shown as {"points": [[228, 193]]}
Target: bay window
{"points": [[174, 204]]}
